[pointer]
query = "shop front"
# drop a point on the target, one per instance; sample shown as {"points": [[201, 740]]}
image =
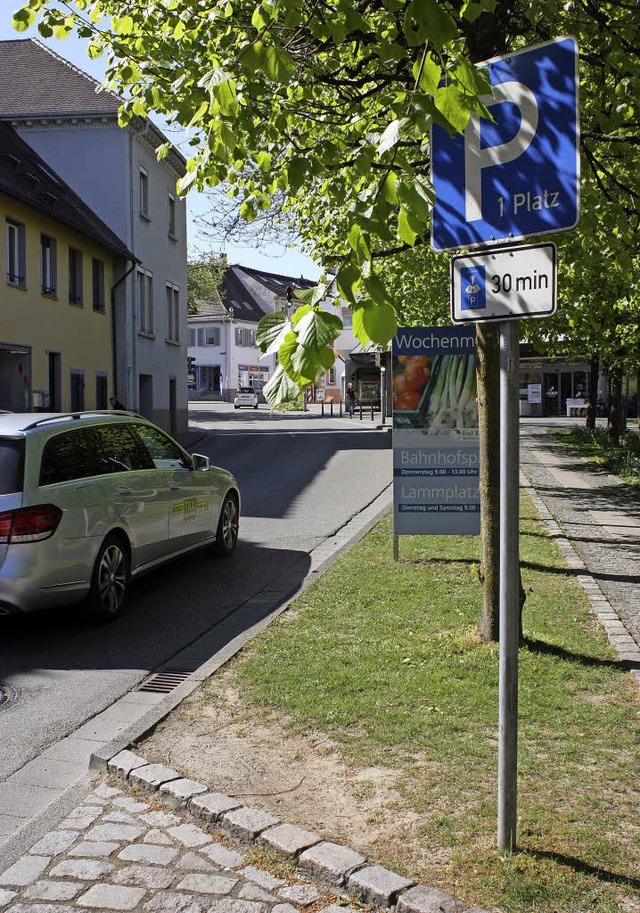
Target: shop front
{"points": [[551, 389]]}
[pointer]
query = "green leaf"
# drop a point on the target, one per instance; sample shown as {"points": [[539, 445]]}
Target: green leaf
{"points": [[299, 313], [474, 80], [348, 280], [280, 388], [358, 244], [23, 19], [260, 18], [413, 198], [430, 75], [308, 362], [389, 188], [441, 27], [375, 286], [375, 323], [312, 296], [288, 351], [274, 62], [390, 137], [122, 25], [318, 328], [449, 102], [270, 329], [358, 327], [327, 358], [225, 94], [405, 230], [297, 172]]}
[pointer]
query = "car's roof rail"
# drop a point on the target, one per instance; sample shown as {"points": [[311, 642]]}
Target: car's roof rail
{"points": [[98, 413]]}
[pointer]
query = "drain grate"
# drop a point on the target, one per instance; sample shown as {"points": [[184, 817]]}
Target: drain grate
{"points": [[8, 695], [164, 681]]}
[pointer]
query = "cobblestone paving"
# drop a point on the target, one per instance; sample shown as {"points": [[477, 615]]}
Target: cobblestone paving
{"points": [[123, 851], [613, 562], [120, 852]]}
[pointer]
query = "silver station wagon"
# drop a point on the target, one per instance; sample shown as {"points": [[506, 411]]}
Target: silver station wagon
{"points": [[90, 500]]}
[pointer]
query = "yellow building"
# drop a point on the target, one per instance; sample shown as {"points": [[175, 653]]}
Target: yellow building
{"points": [[61, 271]]}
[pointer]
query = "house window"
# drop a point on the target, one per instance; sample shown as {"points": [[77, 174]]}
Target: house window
{"points": [[101, 391], [332, 377], [212, 336], [48, 266], [144, 193], [75, 276], [173, 312], [97, 278], [77, 391], [193, 336], [16, 254], [245, 338], [144, 301], [172, 216]]}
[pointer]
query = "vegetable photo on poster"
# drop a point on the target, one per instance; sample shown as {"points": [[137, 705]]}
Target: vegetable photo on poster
{"points": [[436, 389]]}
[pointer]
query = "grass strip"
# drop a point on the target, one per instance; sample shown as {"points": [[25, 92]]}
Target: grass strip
{"points": [[622, 459], [383, 658]]}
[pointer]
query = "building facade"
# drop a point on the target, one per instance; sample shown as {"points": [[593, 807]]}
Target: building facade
{"points": [[59, 111], [58, 267], [223, 351]]}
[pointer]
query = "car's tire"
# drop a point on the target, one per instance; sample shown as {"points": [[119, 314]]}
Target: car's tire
{"points": [[256, 406], [110, 580], [236, 407], [228, 525]]}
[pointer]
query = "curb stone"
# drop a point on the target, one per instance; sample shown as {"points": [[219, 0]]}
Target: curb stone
{"points": [[333, 865]]}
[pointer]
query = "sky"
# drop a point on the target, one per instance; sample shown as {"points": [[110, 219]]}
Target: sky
{"points": [[291, 262]]}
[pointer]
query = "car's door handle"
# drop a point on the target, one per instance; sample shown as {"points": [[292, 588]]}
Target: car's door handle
{"points": [[123, 490]]}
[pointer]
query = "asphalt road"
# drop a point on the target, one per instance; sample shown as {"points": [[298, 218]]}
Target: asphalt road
{"points": [[301, 478]]}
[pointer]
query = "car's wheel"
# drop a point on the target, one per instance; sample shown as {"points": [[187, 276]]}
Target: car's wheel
{"points": [[236, 407], [110, 580], [228, 525], [256, 406]]}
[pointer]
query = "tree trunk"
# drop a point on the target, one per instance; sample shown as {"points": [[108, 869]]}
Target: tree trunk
{"points": [[615, 419], [488, 375], [592, 393]]}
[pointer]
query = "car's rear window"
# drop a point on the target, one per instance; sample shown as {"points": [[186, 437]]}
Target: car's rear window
{"points": [[245, 389], [11, 466]]}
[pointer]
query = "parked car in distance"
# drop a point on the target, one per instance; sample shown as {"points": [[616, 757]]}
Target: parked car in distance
{"points": [[245, 396], [90, 500]]}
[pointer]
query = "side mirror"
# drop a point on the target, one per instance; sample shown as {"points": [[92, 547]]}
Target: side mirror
{"points": [[199, 462]]}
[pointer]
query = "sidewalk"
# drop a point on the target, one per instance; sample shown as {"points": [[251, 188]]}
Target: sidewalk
{"points": [[142, 838], [596, 521]]}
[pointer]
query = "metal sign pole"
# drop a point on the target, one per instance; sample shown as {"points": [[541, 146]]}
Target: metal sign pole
{"points": [[509, 586]]}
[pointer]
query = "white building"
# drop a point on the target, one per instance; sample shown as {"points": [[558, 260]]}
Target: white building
{"points": [[222, 336], [57, 109]]}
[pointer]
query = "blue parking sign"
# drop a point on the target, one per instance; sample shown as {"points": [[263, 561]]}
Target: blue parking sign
{"points": [[518, 176]]}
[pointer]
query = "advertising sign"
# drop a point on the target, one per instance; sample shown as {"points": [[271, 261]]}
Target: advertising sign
{"points": [[436, 443], [534, 393], [518, 175]]}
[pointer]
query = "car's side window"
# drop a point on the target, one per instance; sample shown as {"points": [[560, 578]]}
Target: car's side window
{"points": [[69, 455], [165, 453], [11, 466], [121, 450]]}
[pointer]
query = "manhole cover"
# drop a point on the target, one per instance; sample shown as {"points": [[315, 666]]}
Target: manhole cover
{"points": [[7, 695]]}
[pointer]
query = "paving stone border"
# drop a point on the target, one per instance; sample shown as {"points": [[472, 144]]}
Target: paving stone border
{"points": [[337, 867]]}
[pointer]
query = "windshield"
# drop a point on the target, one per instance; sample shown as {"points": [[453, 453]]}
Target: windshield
{"points": [[11, 466]]}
